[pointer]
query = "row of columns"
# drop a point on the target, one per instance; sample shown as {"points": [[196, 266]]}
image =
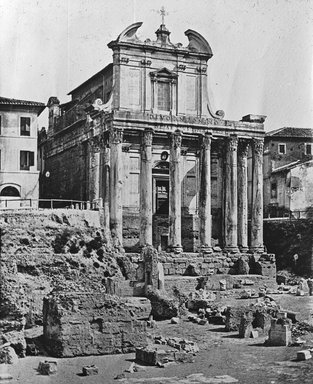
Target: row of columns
{"points": [[235, 190]]}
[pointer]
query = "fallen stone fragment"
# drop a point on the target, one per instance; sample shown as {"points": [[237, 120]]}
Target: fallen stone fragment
{"points": [[90, 370], [120, 376], [254, 334], [5, 376], [304, 355], [203, 322], [183, 357], [175, 320], [131, 368], [8, 356], [47, 367]]}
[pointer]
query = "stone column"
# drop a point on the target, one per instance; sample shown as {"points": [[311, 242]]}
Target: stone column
{"points": [[257, 197], [106, 181], [145, 236], [243, 195], [175, 193], [205, 195], [230, 213], [116, 184], [94, 168]]}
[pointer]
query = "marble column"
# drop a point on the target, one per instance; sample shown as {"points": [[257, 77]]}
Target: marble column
{"points": [[145, 236], [243, 195], [116, 184], [230, 213], [257, 196], [94, 169], [105, 155], [175, 193], [205, 195]]}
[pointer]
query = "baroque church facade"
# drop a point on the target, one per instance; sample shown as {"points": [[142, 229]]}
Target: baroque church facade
{"points": [[140, 138]]}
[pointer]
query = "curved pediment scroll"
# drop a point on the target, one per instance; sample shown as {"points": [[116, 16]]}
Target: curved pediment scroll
{"points": [[129, 33], [198, 43]]}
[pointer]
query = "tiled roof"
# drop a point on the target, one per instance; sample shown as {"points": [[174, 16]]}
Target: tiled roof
{"points": [[289, 166], [291, 132], [7, 101]]}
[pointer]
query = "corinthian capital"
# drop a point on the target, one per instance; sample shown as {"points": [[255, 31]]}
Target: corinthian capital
{"points": [[147, 137], [232, 143], [116, 136], [258, 145], [206, 141], [243, 148], [176, 139]]}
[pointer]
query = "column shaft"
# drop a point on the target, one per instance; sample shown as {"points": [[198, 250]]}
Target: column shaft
{"points": [[243, 196], [116, 184], [94, 168], [205, 195], [145, 236], [231, 216], [175, 193], [257, 197], [106, 186]]}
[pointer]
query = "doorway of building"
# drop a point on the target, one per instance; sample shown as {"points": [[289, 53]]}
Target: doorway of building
{"points": [[161, 196]]}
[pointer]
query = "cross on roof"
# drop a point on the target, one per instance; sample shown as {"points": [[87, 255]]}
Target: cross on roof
{"points": [[163, 13]]}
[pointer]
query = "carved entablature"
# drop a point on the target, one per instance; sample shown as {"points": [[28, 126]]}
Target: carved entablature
{"points": [[176, 139], [232, 143], [258, 145], [201, 69], [116, 136], [124, 60]]}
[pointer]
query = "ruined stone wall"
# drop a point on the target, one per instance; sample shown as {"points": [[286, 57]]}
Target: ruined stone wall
{"points": [[91, 324], [53, 250], [287, 238]]}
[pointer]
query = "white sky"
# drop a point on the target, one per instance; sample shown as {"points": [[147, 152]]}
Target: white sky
{"points": [[262, 49]]}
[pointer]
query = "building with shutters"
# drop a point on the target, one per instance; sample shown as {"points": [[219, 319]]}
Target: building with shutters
{"points": [[18, 151], [140, 137]]}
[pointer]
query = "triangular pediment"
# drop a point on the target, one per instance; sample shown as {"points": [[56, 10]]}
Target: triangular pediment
{"points": [[163, 72]]}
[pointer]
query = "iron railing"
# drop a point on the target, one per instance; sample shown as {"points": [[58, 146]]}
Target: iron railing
{"points": [[50, 204]]}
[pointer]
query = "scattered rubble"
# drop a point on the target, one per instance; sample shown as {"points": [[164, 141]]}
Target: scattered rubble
{"points": [[8, 355], [47, 367], [90, 370], [304, 355]]}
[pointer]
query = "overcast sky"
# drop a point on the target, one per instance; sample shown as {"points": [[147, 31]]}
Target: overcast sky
{"points": [[262, 49]]}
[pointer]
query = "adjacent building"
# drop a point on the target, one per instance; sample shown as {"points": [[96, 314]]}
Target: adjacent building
{"points": [[18, 152], [288, 181], [140, 137]]}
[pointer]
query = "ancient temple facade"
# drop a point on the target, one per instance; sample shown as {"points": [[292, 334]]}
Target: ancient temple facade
{"points": [[140, 138]]}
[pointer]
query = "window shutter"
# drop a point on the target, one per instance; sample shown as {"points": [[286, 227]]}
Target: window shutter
{"points": [[31, 159]]}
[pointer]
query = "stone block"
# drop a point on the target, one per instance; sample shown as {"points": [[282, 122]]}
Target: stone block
{"points": [[304, 355], [47, 367], [254, 334], [280, 333], [90, 370], [8, 356], [175, 320], [183, 357], [5, 376]]}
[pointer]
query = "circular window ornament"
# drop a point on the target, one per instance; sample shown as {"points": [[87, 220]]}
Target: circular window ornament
{"points": [[164, 156]]}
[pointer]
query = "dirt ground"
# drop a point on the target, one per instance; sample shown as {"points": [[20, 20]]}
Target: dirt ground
{"points": [[248, 361]]}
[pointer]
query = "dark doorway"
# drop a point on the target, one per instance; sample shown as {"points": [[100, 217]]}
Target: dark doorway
{"points": [[161, 196]]}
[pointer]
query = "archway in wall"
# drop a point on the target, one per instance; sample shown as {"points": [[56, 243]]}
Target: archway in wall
{"points": [[9, 191]]}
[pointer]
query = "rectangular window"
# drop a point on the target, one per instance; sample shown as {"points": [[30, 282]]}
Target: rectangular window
{"points": [[308, 149], [281, 149], [26, 160], [164, 96], [25, 126], [273, 190]]}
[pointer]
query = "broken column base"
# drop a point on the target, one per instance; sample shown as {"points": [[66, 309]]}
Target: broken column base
{"points": [[280, 333]]}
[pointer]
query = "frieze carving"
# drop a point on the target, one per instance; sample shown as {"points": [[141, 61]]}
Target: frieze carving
{"points": [[176, 139], [146, 62], [232, 143], [116, 136], [147, 137], [182, 119], [201, 69], [182, 67], [258, 145], [124, 60]]}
